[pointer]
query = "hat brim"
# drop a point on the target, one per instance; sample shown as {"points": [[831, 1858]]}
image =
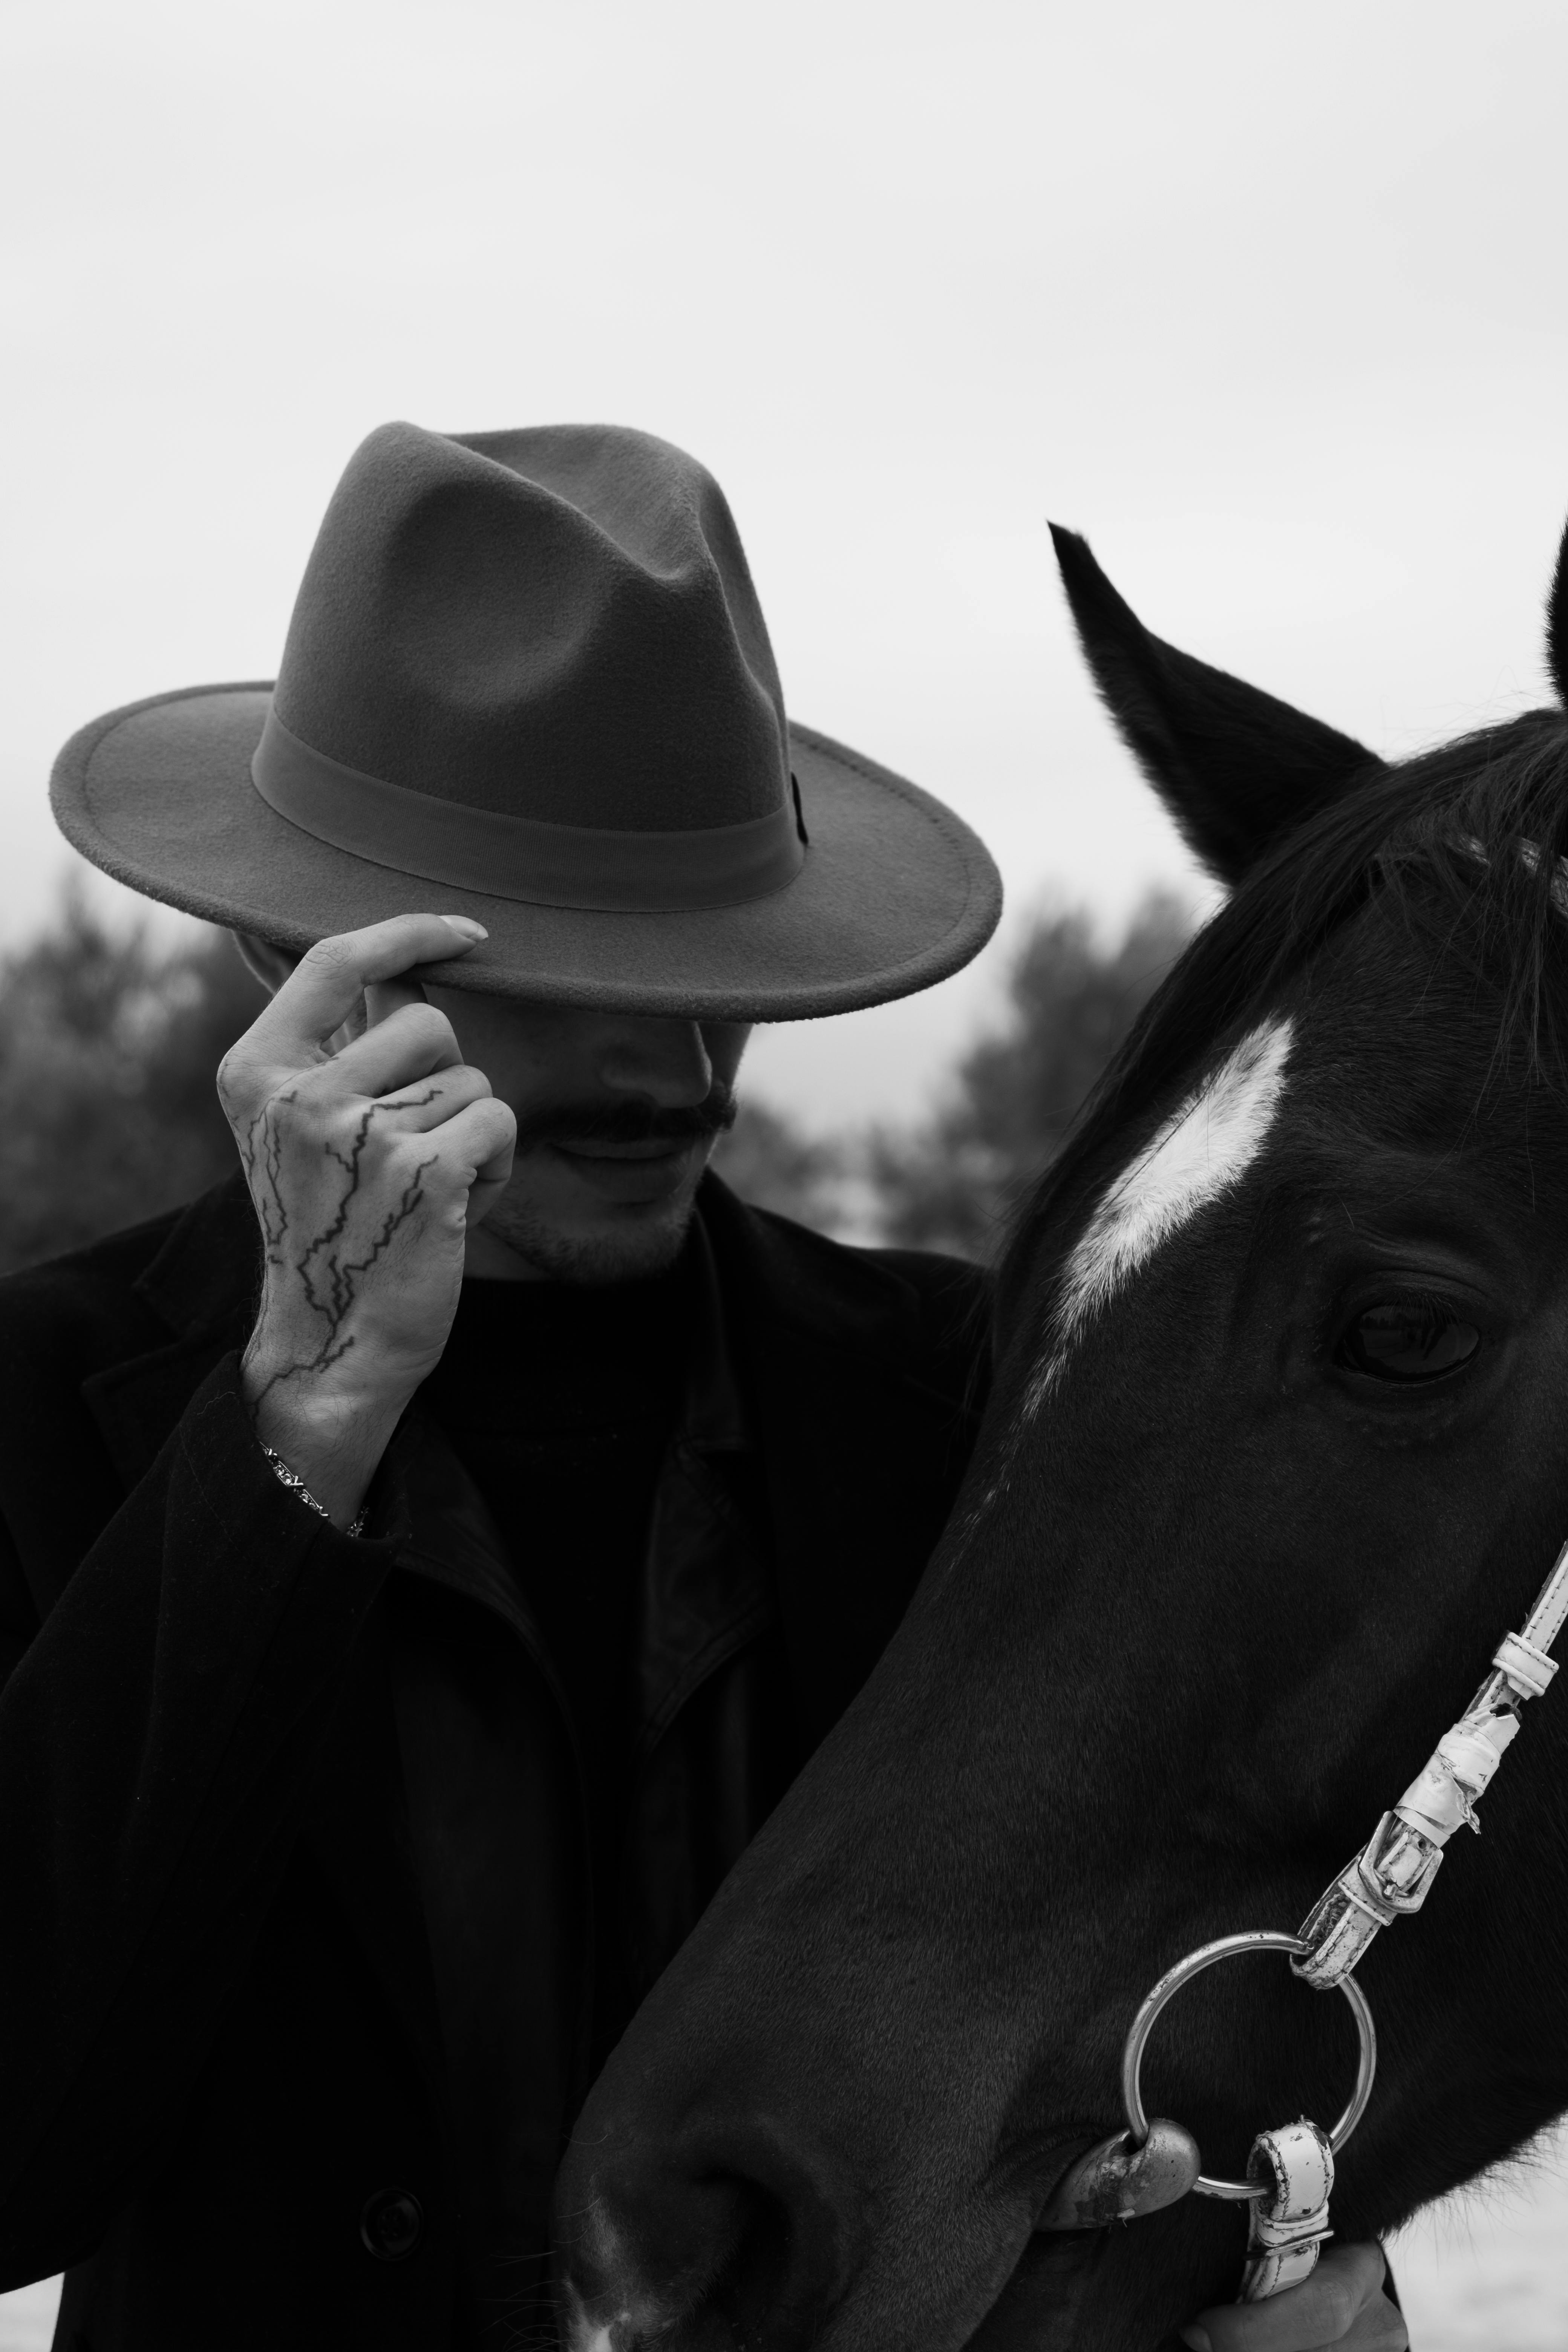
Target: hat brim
{"points": [[896, 892]]}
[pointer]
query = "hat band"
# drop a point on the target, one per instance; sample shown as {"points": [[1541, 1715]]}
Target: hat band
{"points": [[500, 857]]}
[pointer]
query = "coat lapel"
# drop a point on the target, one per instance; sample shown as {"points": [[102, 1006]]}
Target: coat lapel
{"points": [[200, 1285], [809, 1477], [706, 1584]]}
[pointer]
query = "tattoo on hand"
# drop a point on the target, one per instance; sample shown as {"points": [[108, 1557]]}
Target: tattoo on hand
{"points": [[261, 1153], [329, 1279]]}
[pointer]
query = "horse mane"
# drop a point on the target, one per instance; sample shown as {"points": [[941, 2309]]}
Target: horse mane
{"points": [[1462, 841]]}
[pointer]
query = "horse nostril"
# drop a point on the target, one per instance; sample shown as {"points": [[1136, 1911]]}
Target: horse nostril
{"points": [[750, 2284], [704, 2247]]}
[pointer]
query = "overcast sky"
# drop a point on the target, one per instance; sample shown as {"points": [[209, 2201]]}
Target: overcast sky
{"points": [[1268, 300]]}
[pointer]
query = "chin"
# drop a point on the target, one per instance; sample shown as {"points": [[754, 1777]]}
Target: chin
{"points": [[604, 1249]]}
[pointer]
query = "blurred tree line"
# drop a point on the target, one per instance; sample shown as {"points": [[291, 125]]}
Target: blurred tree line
{"points": [[108, 1113], [107, 1051], [952, 1180]]}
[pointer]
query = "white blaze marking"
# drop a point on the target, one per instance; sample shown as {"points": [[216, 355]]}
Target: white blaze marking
{"points": [[1198, 1153]]}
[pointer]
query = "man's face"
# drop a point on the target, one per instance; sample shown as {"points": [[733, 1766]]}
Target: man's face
{"points": [[616, 1114]]}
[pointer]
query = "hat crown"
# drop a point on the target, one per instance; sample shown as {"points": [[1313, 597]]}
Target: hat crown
{"points": [[527, 679], [555, 623]]}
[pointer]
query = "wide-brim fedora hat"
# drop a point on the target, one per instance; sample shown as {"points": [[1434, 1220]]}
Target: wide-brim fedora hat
{"points": [[527, 679]]}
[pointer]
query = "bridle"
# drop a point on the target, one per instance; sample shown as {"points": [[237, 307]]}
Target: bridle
{"points": [[1290, 2170], [1154, 2162]]}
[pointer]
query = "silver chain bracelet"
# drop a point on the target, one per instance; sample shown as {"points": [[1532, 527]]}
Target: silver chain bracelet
{"points": [[296, 1486]]}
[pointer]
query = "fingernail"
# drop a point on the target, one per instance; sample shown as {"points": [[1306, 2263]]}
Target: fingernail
{"points": [[1198, 2338], [465, 924]]}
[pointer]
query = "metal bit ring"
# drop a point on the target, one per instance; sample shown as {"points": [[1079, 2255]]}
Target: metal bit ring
{"points": [[1257, 1939]]}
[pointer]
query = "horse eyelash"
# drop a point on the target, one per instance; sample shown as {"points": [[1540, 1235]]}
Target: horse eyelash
{"points": [[1421, 1296]]}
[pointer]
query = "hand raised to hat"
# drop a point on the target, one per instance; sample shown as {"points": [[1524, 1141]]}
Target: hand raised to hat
{"points": [[366, 1166]]}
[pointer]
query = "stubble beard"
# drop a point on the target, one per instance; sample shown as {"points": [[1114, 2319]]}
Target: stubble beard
{"points": [[634, 1252]]}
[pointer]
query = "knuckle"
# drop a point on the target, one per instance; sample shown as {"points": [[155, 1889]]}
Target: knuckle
{"points": [[432, 1021], [1340, 2306], [421, 1030], [1380, 2329], [320, 1084], [240, 1082], [332, 954], [492, 1126]]}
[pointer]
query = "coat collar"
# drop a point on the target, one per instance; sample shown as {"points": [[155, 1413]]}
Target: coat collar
{"points": [[201, 1285], [207, 1277], [706, 1585], [813, 1382], [822, 1357]]}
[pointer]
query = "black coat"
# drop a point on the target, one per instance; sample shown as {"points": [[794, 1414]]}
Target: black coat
{"points": [[225, 2096]]}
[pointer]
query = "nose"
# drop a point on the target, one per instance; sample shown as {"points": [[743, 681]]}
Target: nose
{"points": [[722, 2234], [666, 1061]]}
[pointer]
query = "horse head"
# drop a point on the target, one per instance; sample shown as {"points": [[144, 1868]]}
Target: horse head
{"points": [[1278, 1451]]}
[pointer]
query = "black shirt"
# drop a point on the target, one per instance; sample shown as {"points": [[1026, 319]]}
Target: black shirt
{"points": [[559, 1400]]}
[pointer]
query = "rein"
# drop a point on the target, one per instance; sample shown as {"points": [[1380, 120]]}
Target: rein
{"points": [[1290, 2170]]}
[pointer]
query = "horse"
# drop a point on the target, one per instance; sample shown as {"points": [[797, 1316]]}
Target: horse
{"points": [[1278, 1448]]}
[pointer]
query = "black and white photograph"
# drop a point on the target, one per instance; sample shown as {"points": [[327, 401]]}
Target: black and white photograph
{"points": [[783, 1177]]}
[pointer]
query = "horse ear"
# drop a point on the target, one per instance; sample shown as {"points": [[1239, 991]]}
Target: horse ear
{"points": [[1238, 770], [1557, 624]]}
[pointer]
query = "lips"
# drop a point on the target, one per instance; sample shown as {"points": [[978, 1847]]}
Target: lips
{"points": [[628, 1174]]}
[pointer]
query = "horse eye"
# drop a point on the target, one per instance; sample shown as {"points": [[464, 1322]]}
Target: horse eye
{"points": [[1407, 1340]]}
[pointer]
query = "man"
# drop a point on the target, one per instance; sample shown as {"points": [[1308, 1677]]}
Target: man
{"points": [[429, 1556]]}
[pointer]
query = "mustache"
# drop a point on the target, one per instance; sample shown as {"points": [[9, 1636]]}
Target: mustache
{"points": [[629, 1121]]}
